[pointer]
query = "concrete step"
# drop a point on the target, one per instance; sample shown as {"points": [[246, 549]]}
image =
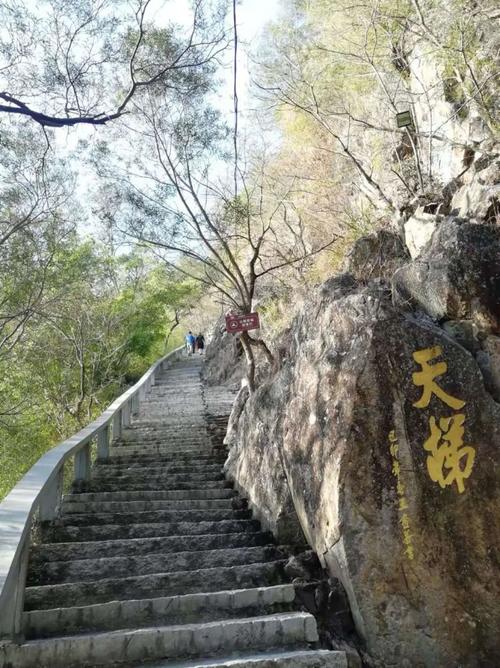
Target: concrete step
{"points": [[162, 477], [136, 546], [145, 460], [154, 585], [256, 633], [184, 609], [167, 441], [152, 517], [181, 425], [75, 506], [105, 485], [161, 449], [154, 495], [58, 534], [194, 466], [181, 435], [92, 570], [319, 658]]}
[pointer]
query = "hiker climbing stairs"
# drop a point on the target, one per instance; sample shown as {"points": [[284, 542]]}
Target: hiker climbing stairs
{"points": [[156, 558]]}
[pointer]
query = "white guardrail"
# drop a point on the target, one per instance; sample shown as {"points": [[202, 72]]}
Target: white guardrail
{"points": [[41, 490]]}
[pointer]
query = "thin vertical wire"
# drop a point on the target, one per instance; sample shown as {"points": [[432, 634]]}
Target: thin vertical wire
{"points": [[235, 100]]}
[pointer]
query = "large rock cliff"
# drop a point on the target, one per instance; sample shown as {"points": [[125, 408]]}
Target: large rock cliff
{"points": [[378, 439]]}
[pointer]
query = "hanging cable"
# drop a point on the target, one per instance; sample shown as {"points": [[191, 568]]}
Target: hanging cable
{"points": [[235, 101]]}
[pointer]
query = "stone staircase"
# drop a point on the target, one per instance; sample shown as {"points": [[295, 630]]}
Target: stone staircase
{"points": [[155, 561]]}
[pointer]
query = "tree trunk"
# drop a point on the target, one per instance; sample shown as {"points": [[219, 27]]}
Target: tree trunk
{"points": [[245, 342]]}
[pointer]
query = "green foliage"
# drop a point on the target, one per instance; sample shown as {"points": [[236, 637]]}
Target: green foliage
{"points": [[104, 320]]}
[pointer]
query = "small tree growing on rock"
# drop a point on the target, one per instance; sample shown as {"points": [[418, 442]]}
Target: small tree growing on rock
{"points": [[225, 240]]}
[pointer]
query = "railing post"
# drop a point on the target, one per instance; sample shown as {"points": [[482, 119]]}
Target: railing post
{"points": [[103, 443], [51, 498], [126, 414], [82, 463], [12, 603], [117, 425], [135, 404]]}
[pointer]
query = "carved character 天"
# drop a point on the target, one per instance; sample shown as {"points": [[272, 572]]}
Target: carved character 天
{"points": [[426, 378]]}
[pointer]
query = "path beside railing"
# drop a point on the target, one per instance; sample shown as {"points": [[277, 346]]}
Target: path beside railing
{"points": [[40, 492]]}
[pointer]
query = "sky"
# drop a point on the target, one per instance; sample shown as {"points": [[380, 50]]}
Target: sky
{"points": [[252, 19]]}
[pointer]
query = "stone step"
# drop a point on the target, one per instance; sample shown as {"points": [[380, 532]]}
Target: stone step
{"points": [[164, 447], [182, 609], [291, 629], [105, 485], [154, 585], [163, 398], [174, 441], [158, 473], [59, 534], [194, 466], [182, 425], [93, 570], [151, 517], [73, 506], [136, 449], [154, 418], [158, 495], [319, 658], [135, 546], [180, 459]]}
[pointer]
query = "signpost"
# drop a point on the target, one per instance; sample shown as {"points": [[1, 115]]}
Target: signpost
{"points": [[242, 323], [403, 119]]}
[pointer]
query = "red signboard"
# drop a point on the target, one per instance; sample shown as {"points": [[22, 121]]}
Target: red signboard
{"points": [[242, 323]]}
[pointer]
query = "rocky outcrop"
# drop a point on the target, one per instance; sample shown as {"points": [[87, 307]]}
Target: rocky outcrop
{"points": [[377, 255], [457, 276], [488, 358], [224, 360], [478, 196], [255, 460], [377, 438], [419, 229]]}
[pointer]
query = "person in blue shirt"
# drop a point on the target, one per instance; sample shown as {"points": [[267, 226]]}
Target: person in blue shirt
{"points": [[190, 342]]}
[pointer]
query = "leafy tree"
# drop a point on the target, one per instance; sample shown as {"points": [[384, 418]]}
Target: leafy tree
{"points": [[227, 242], [87, 61], [103, 321]]}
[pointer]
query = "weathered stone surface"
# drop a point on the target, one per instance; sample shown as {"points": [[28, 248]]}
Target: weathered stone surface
{"points": [[254, 463], [419, 229], [489, 362], [464, 332], [458, 275], [305, 566], [224, 360], [376, 256], [339, 435], [479, 196]]}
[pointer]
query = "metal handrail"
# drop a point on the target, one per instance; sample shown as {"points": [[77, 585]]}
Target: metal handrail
{"points": [[41, 490]]}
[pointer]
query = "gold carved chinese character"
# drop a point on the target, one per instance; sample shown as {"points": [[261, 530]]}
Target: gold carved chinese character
{"points": [[426, 378], [450, 461]]}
